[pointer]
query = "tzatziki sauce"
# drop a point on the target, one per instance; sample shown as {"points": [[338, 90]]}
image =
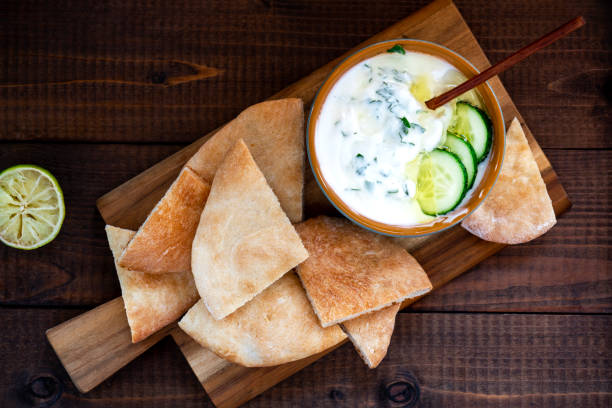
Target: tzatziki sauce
{"points": [[374, 127]]}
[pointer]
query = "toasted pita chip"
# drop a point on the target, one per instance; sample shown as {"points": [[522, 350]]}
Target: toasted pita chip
{"points": [[518, 208], [276, 327], [152, 301], [352, 271], [163, 242], [371, 333], [244, 241], [274, 133]]}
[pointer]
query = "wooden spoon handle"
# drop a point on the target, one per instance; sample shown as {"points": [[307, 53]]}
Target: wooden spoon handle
{"points": [[518, 56]]}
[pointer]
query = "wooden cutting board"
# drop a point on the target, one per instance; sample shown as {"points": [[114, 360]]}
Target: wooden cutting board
{"points": [[90, 358]]}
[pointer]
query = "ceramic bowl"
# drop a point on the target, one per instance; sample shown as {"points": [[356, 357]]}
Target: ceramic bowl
{"points": [[496, 154]]}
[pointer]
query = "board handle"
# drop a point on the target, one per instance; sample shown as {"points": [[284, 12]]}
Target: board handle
{"points": [[230, 385], [89, 354]]}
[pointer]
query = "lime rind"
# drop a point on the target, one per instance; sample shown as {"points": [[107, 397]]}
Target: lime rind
{"points": [[32, 203]]}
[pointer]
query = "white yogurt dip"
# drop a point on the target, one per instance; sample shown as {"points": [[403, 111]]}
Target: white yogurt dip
{"points": [[373, 128]]}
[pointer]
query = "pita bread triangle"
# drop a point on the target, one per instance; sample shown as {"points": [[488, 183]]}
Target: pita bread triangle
{"points": [[276, 327], [163, 242], [371, 333], [518, 208], [244, 241], [351, 271], [152, 301], [274, 134]]}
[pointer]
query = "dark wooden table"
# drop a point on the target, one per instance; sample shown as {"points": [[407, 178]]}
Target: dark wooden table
{"points": [[98, 91]]}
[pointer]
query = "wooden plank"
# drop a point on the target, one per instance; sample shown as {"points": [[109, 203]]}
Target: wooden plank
{"points": [[207, 366], [452, 359], [33, 376], [482, 360], [77, 268], [280, 42], [95, 345]]}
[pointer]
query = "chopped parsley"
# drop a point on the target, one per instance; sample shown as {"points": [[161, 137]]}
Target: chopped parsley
{"points": [[405, 188], [359, 164], [408, 125], [397, 48]]}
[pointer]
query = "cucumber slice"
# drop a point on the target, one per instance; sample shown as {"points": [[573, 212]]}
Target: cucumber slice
{"points": [[475, 126], [466, 154], [441, 182]]}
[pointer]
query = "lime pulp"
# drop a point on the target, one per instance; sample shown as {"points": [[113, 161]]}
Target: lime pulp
{"points": [[31, 207]]}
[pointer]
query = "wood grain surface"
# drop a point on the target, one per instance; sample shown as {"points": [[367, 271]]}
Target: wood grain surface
{"points": [[95, 345], [117, 113], [127, 206], [77, 268], [442, 360]]}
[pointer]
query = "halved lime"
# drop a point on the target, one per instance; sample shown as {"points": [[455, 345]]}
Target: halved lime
{"points": [[31, 207]]}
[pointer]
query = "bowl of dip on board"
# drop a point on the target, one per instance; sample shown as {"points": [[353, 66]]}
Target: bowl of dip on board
{"points": [[384, 159]]}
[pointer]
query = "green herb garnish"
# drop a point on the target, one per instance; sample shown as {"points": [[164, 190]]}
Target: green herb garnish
{"points": [[405, 122], [392, 191], [419, 127], [397, 48], [359, 164], [405, 188]]}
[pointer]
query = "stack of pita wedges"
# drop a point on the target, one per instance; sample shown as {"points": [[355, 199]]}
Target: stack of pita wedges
{"points": [[220, 245], [226, 248], [518, 208]]}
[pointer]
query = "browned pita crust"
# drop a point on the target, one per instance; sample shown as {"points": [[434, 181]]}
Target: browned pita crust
{"points": [[371, 333], [152, 301], [352, 271], [276, 327], [274, 134], [244, 241], [518, 208], [163, 242]]}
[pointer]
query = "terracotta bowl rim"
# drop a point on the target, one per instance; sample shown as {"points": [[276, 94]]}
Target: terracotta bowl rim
{"points": [[405, 230]]}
